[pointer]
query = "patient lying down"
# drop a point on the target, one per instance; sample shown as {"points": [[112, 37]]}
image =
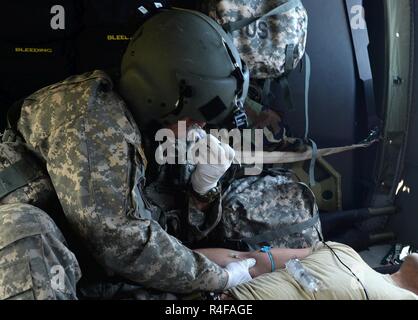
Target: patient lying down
{"points": [[335, 280]]}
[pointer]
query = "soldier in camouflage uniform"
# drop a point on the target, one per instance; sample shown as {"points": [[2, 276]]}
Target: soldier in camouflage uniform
{"points": [[96, 162], [35, 262], [39, 191], [84, 132]]}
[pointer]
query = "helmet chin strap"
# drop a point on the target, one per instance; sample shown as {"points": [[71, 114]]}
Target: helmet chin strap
{"points": [[237, 72], [239, 117]]}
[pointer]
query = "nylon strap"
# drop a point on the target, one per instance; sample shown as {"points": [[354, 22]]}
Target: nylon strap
{"points": [[275, 157], [265, 98], [307, 82], [18, 175], [237, 25], [287, 95], [312, 181], [360, 43], [289, 58], [283, 80]]}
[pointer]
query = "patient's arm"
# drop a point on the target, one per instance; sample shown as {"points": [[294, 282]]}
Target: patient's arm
{"points": [[280, 255]]}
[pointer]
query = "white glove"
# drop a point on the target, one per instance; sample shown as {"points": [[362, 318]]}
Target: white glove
{"points": [[211, 164], [238, 272]]}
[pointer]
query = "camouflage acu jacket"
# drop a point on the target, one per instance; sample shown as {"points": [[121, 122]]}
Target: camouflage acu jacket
{"points": [[22, 179], [92, 147]]}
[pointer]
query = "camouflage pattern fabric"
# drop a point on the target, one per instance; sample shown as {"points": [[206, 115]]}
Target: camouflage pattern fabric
{"points": [[92, 147], [39, 191], [254, 205], [34, 260], [262, 44]]}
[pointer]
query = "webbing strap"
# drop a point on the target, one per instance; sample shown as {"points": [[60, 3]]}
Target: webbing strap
{"points": [[287, 95], [283, 80], [18, 175], [265, 98], [360, 42], [275, 157], [312, 181], [283, 231], [237, 25], [307, 82], [289, 58]]}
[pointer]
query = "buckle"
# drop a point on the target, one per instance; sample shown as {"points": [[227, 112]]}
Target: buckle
{"points": [[240, 119]]}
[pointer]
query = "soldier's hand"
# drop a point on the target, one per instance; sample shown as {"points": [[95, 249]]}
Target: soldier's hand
{"points": [[213, 159], [238, 272]]}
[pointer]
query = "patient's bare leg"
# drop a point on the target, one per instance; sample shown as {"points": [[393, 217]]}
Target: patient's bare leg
{"points": [[280, 255]]}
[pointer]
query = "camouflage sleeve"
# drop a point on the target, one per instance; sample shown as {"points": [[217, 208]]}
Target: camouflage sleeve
{"points": [[94, 157], [157, 260], [35, 263]]}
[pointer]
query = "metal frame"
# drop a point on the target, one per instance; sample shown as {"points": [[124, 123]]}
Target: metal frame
{"points": [[398, 97]]}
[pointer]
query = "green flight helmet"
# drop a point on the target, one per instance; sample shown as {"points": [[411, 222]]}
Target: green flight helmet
{"points": [[182, 64]]}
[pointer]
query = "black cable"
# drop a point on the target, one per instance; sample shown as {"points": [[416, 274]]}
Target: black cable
{"points": [[355, 276], [348, 268]]}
